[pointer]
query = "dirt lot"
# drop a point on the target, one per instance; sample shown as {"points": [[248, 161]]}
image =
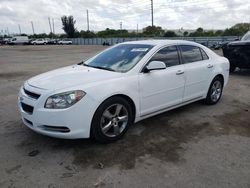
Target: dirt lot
{"points": [[193, 146]]}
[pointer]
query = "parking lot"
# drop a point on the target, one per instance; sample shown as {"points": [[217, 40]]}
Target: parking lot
{"points": [[193, 146]]}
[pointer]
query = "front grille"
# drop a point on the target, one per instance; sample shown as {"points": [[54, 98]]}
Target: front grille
{"points": [[55, 128], [31, 94], [27, 108]]}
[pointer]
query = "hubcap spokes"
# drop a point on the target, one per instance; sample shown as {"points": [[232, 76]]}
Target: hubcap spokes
{"points": [[114, 120], [216, 91]]}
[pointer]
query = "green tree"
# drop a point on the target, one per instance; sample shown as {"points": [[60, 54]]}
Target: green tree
{"points": [[153, 31], [197, 33], [208, 33], [237, 30], [218, 33], [185, 33], [68, 24], [170, 34], [114, 33], [199, 30]]}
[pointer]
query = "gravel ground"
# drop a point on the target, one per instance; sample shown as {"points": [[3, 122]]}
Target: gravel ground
{"points": [[192, 146]]}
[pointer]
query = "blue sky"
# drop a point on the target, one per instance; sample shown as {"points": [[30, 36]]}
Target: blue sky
{"points": [[170, 14]]}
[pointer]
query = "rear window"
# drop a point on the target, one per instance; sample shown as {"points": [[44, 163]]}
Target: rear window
{"points": [[191, 53]]}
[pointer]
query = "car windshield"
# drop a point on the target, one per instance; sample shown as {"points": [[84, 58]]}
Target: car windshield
{"points": [[120, 58], [246, 37]]}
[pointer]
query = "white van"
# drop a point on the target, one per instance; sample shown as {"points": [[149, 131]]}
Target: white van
{"points": [[19, 40]]}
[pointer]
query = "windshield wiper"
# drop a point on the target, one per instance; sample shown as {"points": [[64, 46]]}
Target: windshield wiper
{"points": [[99, 67], [81, 63]]}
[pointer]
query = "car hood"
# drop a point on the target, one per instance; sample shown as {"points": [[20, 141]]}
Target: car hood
{"points": [[71, 76], [239, 43]]}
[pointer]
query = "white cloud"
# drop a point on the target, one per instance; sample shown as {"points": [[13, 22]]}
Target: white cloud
{"points": [[171, 14]]}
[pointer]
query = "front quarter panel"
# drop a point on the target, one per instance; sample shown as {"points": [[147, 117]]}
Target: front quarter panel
{"points": [[126, 85]]}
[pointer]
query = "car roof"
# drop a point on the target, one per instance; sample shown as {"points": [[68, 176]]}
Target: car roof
{"points": [[161, 42]]}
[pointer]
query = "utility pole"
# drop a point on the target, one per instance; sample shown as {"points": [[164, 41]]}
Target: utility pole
{"points": [[8, 31], [120, 25], [137, 29], [19, 29], [152, 13], [87, 20], [32, 27], [53, 25], [50, 25]]}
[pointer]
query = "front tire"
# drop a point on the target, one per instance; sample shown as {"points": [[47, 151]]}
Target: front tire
{"points": [[111, 120], [215, 91]]}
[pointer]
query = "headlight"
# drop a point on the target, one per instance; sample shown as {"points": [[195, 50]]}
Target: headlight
{"points": [[64, 100]]}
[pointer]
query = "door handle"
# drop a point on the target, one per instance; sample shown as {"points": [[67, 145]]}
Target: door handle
{"points": [[210, 66], [179, 72]]}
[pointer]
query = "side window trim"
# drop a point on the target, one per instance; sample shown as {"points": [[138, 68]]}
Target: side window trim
{"points": [[148, 60], [180, 55], [183, 61], [203, 51]]}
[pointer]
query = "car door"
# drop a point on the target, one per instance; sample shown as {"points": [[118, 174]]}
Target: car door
{"points": [[160, 89], [198, 69]]}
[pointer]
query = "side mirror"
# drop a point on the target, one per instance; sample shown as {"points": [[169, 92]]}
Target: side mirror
{"points": [[154, 65]]}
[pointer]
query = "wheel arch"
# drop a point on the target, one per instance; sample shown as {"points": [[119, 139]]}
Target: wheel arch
{"points": [[127, 98], [220, 76], [216, 75]]}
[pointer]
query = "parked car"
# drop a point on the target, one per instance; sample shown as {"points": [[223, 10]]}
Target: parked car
{"points": [[5, 40], [65, 41], [124, 84], [52, 41], [238, 53], [18, 40], [39, 41], [2, 42]]}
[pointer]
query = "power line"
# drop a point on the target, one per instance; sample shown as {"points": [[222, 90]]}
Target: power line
{"points": [[177, 12], [132, 5]]}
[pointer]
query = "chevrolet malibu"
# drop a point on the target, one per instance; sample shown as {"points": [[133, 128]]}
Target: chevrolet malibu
{"points": [[124, 84]]}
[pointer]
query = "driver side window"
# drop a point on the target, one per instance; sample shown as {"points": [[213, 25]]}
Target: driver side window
{"points": [[168, 55]]}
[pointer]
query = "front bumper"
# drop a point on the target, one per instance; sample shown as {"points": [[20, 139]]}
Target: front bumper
{"points": [[70, 123]]}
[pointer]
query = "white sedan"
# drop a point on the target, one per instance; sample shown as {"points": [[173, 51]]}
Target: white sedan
{"points": [[39, 41], [124, 84], [64, 41]]}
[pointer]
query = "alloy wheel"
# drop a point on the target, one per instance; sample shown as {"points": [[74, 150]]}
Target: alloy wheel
{"points": [[216, 91], [114, 120]]}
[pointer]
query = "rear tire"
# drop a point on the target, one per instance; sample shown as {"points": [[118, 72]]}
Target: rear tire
{"points": [[215, 91], [111, 120]]}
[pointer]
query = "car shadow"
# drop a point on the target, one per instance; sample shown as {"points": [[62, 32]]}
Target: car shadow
{"points": [[157, 136], [241, 72]]}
